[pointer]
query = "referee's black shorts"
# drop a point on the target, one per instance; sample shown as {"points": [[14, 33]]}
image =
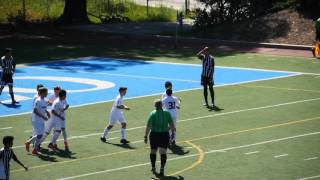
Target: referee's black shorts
{"points": [[207, 81], [159, 139], [6, 79]]}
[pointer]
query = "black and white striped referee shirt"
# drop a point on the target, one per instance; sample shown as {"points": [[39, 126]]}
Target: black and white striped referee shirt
{"points": [[8, 65], [207, 65], [5, 157]]}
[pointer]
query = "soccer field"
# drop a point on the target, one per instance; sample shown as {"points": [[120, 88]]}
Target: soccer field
{"points": [[269, 127]]}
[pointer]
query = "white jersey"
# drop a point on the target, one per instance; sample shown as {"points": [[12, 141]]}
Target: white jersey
{"points": [[164, 95], [41, 106], [117, 102], [34, 99], [171, 103], [58, 106]]}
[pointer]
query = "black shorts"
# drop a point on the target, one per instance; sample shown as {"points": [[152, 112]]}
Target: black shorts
{"points": [[6, 79], [159, 139], [207, 81]]}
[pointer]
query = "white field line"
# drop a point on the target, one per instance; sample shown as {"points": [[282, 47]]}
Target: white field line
{"points": [[281, 155], [311, 177], [156, 94], [4, 128], [192, 155], [312, 158], [200, 117], [253, 152]]}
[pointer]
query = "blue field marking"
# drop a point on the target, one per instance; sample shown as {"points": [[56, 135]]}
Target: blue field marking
{"points": [[95, 79]]}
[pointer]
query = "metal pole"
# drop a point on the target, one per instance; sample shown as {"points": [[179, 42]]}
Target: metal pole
{"points": [[24, 10], [147, 7]]}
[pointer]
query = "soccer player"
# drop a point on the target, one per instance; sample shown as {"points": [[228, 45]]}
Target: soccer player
{"points": [[117, 116], [171, 103], [6, 154], [8, 69], [58, 119], [157, 129], [51, 123], [39, 116], [208, 64]]}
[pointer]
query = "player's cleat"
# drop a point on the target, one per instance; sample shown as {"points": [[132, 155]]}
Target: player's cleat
{"points": [[35, 152], [66, 146], [124, 141], [103, 139], [215, 108], [173, 143], [55, 147], [27, 144], [51, 146], [161, 174], [15, 102]]}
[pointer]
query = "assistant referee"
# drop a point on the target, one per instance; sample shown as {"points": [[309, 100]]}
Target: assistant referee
{"points": [[159, 123]]}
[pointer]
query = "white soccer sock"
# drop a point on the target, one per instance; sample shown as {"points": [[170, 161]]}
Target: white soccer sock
{"points": [[105, 132], [44, 136], [37, 143], [123, 133], [64, 134], [32, 139], [55, 136]]}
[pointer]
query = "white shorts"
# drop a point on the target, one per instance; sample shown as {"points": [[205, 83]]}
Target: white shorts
{"points": [[52, 124], [38, 127], [116, 117]]}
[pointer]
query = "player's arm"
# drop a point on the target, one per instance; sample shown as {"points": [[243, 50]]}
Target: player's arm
{"points": [[66, 107], [37, 112], [54, 112], [14, 66], [14, 157], [148, 129], [200, 53]]}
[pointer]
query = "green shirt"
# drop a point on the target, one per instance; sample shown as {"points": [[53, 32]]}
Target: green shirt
{"points": [[159, 121], [318, 24]]}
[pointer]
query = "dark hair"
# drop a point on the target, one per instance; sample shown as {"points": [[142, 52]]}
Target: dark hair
{"points": [[169, 92], [7, 50], [43, 89], [39, 86], [122, 89], [62, 93], [7, 139], [57, 88], [167, 84]]}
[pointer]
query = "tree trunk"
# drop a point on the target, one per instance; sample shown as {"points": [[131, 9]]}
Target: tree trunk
{"points": [[75, 11]]}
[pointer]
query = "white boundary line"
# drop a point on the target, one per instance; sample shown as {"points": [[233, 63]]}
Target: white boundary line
{"points": [[312, 158], [192, 155], [253, 152], [200, 117], [312, 177], [281, 155], [4, 128], [156, 94]]}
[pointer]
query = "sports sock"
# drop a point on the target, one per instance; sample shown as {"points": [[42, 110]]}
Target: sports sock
{"points": [[123, 133], [212, 94], [45, 135], [153, 158], [163, 160], [37, 143], [105, 132], [32, 139], [55, 136], [205, 94], [12, 96], [64, 134]]}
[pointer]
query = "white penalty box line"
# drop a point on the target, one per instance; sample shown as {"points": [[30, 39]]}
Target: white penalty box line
{"points": [[200, 117], [193, 155]]}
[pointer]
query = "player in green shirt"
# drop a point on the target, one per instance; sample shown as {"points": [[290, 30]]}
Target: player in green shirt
{"points": [[157, 128]]}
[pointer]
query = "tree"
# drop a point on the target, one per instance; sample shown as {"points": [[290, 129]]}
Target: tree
{"points": [[75, 11]]}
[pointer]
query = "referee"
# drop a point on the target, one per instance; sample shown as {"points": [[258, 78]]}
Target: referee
{"points": [[158, 123], [6, 153], [208, 65], [8, 66]]}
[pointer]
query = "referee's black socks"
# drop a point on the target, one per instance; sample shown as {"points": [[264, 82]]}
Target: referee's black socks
{"points": [[163, 160], [153, 158]]}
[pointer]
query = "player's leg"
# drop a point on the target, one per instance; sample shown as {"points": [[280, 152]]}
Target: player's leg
{"points": [[123, 129], [1, 88], [153, 152], [11, 92], [164, 142], [48, 127], [112, 120], [39, 131], [212, 94], [54, 139]]}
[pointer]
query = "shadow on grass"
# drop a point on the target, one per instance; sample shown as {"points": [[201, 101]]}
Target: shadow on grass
{"points": [[10, 105], [125, 146], [158, 177], [178, 150], [59, 152]]}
